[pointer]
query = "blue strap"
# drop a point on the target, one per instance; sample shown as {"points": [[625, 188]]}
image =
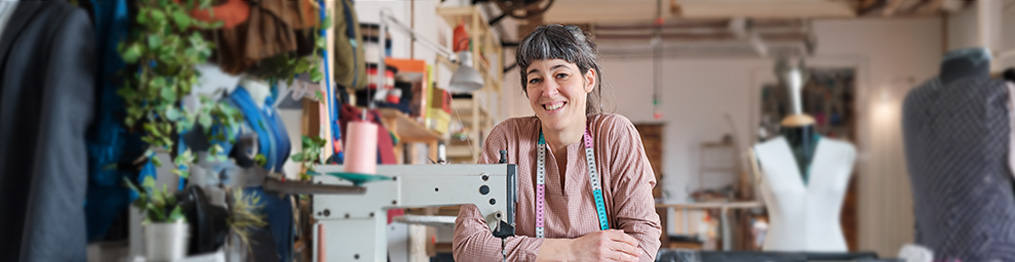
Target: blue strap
{"points": [[601, 209], [333, 119]]}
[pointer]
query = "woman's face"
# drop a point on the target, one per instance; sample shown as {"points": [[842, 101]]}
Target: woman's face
{"points": [[557, 92]]}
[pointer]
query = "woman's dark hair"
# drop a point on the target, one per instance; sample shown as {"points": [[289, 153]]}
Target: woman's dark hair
{"points": [[569, 43]]}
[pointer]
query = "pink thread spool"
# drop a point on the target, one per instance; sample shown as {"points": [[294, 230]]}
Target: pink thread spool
{"points": [[361, 148]]}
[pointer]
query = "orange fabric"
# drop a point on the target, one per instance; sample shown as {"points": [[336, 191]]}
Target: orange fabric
{"points": [[627, 181], [232, 13]]}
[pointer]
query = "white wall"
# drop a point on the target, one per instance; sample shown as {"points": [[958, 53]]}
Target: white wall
{"points": [[698, 93], [963, 32]]}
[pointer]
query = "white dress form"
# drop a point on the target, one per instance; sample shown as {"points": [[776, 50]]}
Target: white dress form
{"points": [[258, 89], [804, 217]]}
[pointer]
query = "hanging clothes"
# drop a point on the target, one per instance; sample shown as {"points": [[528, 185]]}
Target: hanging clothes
{"points": [[805, 216], [956, 137], [47, 87], [272, 28], [6, 11], [109, 143]]}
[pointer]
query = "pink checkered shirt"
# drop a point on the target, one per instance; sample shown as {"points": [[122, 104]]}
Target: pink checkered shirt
{"points": [[625, 172]]}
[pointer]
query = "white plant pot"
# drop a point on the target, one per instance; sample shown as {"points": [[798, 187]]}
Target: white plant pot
{"points": [[164, 242]]}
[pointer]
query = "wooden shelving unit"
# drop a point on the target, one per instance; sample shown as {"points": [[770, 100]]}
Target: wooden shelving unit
{"points": [[488, 60], [406, 128], [409, 131], [487, 56]]}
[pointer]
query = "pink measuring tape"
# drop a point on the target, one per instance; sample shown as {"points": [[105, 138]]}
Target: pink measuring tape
{"points": [[597, 191]]}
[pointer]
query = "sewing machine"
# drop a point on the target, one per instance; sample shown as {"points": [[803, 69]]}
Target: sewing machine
{"points": [[352, 227]]}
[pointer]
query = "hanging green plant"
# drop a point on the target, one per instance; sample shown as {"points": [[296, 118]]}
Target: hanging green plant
{"points": [[309, 155], [165, 45], [286, 68]]}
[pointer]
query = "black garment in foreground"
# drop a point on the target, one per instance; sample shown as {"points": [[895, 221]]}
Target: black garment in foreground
{"points": [[47, 87]]}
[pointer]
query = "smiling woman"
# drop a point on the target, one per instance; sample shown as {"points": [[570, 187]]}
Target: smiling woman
{"points": [[569, 44], [585, 184]]}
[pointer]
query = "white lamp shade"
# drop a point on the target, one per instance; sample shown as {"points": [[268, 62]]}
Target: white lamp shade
{"points": [[465, 80]]}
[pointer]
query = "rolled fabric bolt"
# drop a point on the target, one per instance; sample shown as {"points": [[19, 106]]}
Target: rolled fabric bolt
{"points": [[361, 148]]}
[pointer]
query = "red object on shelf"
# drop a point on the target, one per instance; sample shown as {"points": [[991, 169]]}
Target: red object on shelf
{"points": [[460, 38], [389, 76]]}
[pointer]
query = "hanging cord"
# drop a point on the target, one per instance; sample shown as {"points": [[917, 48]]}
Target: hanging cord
{"points": [[657, 43], [468, 139]]}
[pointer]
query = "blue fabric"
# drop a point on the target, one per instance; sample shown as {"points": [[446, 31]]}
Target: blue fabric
{"points": [[279, 215], [255, 120], [273, 143], [272, 138], [282, 143], [107, 139]]}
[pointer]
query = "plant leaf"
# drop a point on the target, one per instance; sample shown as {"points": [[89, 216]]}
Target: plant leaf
{"points": [[132, 53], [182, 19], [148, 183], [320, 43], [172, 114], [327, 21], [154, 42], [316, 76], [176, 215], [155, 214], [156, 162], [260, 160], [170, 198], [167, 94], [157, 16], [205, 120]]}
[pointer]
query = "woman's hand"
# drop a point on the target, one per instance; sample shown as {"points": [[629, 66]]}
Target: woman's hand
{"points": [[607, 245]]}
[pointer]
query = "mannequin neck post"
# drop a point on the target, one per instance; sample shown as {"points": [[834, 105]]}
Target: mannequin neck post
{"points": [[802, 141], [258, 89], [964, 63]]}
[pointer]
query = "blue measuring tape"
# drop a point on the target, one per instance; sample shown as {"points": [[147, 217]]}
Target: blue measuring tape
{"points": [[597, 190]]}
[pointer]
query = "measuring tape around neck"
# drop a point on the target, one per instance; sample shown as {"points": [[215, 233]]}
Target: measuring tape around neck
{"points": [[597, 191]]}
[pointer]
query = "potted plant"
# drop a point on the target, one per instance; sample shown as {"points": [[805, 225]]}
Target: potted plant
{"points": [[162, 50], [165, 229]]}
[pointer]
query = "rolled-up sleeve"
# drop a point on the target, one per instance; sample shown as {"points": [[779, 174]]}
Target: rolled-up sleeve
{"points": [[473, 240], [633, 181]]}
